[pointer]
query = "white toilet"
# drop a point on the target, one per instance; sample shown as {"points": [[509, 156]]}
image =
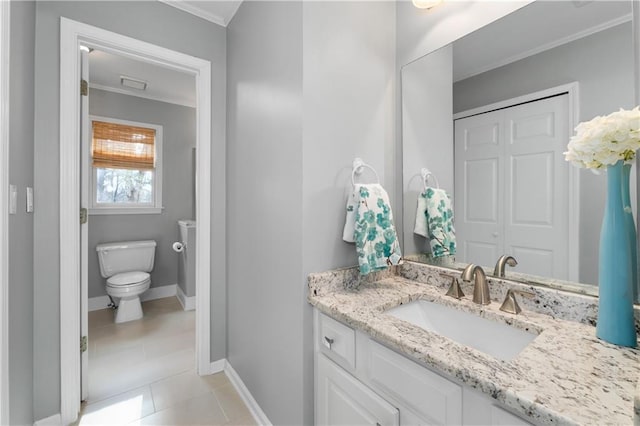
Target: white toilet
{"points": [[126, 265]]}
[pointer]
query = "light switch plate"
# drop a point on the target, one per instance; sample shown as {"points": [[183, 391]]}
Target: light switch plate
{"points": [[29, 199], [13, 198]]}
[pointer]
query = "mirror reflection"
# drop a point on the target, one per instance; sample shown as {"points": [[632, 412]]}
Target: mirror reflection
{"points": [[490, 116]]}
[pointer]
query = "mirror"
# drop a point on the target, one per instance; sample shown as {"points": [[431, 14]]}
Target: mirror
{"points": [[490, 116]]}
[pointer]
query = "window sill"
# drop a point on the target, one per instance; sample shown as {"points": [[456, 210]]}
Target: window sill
{"points": [[124, 210]]}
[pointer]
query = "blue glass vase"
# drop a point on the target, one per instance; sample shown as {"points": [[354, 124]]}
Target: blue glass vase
{"points": [[631, 229], [615, 306]]}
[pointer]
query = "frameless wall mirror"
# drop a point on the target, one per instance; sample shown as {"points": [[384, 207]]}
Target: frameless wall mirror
{"points": [[490, 116]]}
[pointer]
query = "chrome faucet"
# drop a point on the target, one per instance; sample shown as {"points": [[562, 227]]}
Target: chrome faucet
{"points": [[480, 287], [504, 259]]}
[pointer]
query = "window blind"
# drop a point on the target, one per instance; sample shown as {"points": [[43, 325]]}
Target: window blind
{"points": [[120, 146]]}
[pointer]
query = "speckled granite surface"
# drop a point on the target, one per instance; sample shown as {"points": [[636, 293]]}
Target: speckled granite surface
{"points": [[565, 376]]}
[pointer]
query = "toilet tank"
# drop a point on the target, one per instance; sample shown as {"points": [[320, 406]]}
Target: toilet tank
{"points": [[126, 256]]}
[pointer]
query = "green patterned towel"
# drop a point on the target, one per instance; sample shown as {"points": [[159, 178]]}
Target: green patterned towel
{"points": [[375, 235], [442, 235]]}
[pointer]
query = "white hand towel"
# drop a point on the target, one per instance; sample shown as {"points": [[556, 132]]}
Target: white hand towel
{"points": [[420, 227], [350, 222]]}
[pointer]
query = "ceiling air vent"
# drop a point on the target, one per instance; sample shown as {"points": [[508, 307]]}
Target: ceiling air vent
{"points": [[133, 83]]}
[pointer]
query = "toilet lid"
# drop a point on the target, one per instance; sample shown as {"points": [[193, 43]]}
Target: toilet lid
{"points": [[127, 278]]}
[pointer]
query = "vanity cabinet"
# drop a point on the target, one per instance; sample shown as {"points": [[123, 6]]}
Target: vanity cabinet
{"points": [[343, 400], [359, 381]]}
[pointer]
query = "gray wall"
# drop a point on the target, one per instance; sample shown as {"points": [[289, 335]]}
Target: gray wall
{"points": [[427, 134], [265, 291], [178, 139], [155, 23], [296, 157], [349, 95], [602, 64], [21, 224]]}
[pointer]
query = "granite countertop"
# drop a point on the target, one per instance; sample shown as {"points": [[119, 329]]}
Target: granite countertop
{"points": [[565, 376]]}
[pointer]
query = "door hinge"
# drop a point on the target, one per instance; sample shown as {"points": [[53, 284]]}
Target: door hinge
{"points": [[84, 88], [83, 215], [83, 344]]}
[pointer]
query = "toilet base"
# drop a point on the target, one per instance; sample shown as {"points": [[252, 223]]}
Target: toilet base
{"points": [[129, 309]]}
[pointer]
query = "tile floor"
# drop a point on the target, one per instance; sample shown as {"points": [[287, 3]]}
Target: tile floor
{"points": [[143, 373]]}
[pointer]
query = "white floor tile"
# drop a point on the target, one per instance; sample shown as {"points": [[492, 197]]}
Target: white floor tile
{"points": [[143, 372]]}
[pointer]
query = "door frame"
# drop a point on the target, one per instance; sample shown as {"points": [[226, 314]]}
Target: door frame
{"points": [[572, 90], [4, 210], [72, 34]]}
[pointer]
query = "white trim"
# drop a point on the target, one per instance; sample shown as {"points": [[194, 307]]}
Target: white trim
{"points": [[71, 34], [218, 366], [188, 302], [56, 419], [97, 303], [196, 11], [539, 49], [4, 210], [159, 292], [124, 210], [115, 208], [166, 99], [572, 89], [101, 302], [256, 411]]}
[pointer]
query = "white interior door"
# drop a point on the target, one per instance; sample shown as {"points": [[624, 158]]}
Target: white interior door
{"points": [[513, 183], [536, 198], [84, 227], [479, 179]]}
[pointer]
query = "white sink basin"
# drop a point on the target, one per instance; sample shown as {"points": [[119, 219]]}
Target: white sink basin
{"points": [[498, 340]]}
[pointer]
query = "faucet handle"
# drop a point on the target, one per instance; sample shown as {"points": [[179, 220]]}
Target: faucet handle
{"points": [[510, 303], [454, 289]]}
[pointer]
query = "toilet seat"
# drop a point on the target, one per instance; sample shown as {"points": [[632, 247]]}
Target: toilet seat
{"points": [[128, 278]]}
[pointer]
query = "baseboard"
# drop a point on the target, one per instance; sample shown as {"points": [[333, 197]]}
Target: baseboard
{"points": [[258, 415], [56, 419], [159, 292], [101, 302], [188, 303], [218, 366]]}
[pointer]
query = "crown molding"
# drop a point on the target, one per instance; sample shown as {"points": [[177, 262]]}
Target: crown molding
{"points": [[548, 46], [196, 11]]}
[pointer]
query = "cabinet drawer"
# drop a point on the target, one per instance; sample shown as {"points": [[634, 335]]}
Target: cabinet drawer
{"points": [[337, 340], [428, 394]]}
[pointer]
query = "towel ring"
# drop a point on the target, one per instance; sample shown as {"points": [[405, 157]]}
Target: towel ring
{"points": [[425, 177], [358, 168]]}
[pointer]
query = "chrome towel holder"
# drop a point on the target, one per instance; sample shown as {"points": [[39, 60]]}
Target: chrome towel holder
{"points": [[425, 173], [358, 168]]}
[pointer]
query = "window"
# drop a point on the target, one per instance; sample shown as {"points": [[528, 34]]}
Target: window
{"points": [[126, 167]]}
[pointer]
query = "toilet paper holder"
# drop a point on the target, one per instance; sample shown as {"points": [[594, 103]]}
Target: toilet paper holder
{"points": [[179, 246]]}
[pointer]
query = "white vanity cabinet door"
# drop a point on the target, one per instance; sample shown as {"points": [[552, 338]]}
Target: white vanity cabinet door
{"points": [[343, 400], [430, 396], [480, 410], [500, 417]]}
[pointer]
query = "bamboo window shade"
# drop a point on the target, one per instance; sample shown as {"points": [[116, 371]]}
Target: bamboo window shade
{"points": [[120, 146]]}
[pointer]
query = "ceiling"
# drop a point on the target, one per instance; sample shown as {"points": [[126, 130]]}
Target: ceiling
{"points": [[519, 34], [163, 84], [511, 38], [217, 11]]}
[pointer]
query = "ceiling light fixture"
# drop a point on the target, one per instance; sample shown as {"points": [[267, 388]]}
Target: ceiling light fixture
{"points": [[133, 83], [426, 4]]}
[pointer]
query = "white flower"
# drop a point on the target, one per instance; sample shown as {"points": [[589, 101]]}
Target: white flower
{"points": [[604, 141]]}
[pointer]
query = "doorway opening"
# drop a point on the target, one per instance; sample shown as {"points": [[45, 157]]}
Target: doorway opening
{"points": [[73, 304]]}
